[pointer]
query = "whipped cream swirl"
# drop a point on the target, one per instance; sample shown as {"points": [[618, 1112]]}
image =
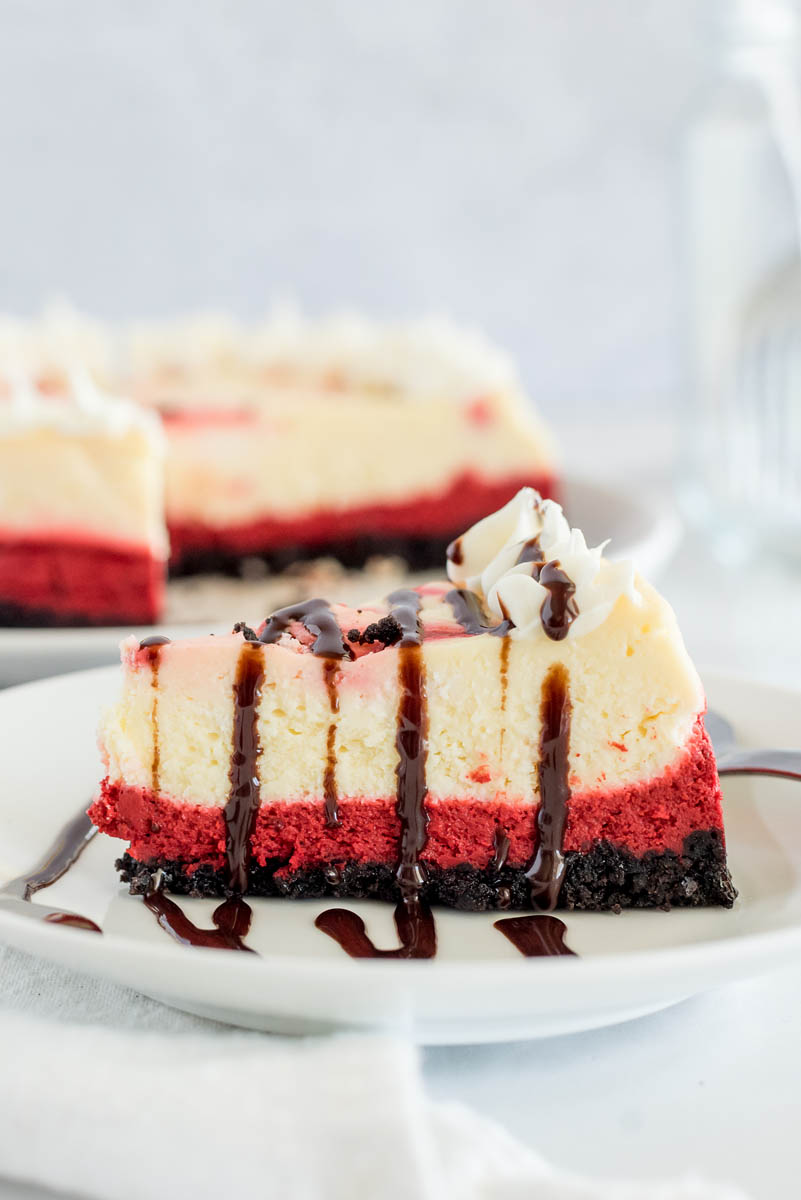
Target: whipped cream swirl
{"points": [[500, 559]]}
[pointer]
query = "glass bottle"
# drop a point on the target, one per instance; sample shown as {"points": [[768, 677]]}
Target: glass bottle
{"points": [[741, 193]]}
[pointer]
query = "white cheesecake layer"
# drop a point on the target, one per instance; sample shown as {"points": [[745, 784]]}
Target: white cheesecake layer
{"points": [[307, 452], [88, 486], [634, 691]]}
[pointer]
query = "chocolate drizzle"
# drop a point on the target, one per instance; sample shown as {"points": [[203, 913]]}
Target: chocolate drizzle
{"points": [[414, 922], [559, 609], [413, 918], [330, 668], [536, 937], [232, 920], [546, 870], [243, 798], [503, 668], [531, 551], [455, 552], [500, 845], [467, 610], [412, 743], [317, 617], [68, 847], [153, 646]]}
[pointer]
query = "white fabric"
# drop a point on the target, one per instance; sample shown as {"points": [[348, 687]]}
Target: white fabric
{"points": [[110, 1095]]}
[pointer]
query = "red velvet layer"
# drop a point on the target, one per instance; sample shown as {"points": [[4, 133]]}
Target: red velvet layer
{"points": [[435, 514], [654, 815], [86, 582]]}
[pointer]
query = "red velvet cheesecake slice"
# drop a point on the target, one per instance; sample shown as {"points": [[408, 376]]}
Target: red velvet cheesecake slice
{"points": [[529, 734], [82, 535]]}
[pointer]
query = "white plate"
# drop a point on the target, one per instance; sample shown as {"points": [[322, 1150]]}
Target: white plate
{"points": [[640, 528], [477, 988]]}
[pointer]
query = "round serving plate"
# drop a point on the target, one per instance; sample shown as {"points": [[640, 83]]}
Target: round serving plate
{"points": [[477, 988], [639, 527]]}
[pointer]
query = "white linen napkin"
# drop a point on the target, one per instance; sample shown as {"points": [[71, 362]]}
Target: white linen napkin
{"points": [[112, 1096]]}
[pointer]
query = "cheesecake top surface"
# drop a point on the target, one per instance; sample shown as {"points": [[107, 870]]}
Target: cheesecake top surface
{"points": [[407, 359], [78, 406], [521, 572]]}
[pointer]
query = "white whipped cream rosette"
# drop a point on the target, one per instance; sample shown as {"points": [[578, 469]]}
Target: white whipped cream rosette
{"points": [[487, 563]]}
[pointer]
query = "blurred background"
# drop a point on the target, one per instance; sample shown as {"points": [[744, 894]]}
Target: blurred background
{"points": [[543, 170], [513, 166]]}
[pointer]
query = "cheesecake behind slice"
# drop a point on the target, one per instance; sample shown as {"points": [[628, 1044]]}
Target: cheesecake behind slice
{"points": [[528, 734], [82, 533]]}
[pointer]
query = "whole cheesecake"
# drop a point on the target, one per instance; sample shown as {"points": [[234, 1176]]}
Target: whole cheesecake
{"points": [[339, 436], [286, 441], [527, 734]]}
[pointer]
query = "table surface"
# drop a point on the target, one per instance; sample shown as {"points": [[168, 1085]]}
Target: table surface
{"points": [[711, 1084]]}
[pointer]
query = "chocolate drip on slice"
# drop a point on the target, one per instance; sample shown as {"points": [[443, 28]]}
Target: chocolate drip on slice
{"points": [[412, 744], [330, 668], [500, 844], [317, 617], [559, 609], [536, 937], [243, 798], [467, 610], [546, 870], [414, 922], [531, 551], [67, 848], [153, 647], [413, 919], [232, 920], [503, 666], [405, 609]]}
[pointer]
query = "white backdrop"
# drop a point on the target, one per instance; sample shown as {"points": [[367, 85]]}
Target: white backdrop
{"points": [[511, 163]]}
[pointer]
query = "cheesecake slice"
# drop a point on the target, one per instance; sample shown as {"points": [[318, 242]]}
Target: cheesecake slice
{"points": [[529, 733], [82, 535], [339, 436]]}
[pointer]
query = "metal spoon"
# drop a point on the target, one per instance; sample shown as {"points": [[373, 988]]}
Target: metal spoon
{"points": [[732, 761]]}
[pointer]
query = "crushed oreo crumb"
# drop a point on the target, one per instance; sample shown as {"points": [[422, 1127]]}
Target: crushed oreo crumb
{"points": [[248, 634], [387, 631]]}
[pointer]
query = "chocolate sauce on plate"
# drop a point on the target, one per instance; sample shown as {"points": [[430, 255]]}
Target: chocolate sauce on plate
{"points": [[414, 922], [231, 919], [69, 845], [536, 937]]}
